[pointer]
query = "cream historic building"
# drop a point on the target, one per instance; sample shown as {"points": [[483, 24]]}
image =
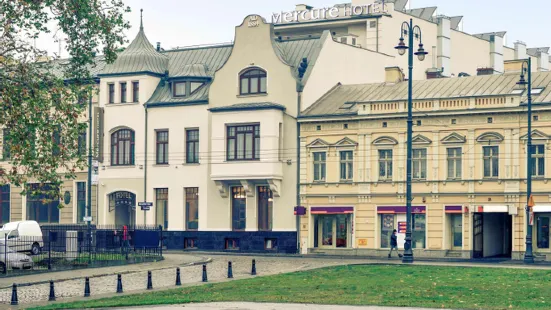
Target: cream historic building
{"points": [[469, 167], [209, 135]]}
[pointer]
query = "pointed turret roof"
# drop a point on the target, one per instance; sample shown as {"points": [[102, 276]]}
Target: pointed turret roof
{"points": [[139, 57]]}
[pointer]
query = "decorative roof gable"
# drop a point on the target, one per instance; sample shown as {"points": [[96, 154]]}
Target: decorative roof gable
{"points": [[489, 137], [420, 139], [382, 141], [318, 143], [454, 138], [346, 142], [536, 135]]}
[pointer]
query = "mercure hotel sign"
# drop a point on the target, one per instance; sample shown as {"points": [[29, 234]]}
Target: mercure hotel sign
{"points": [[328, 13]]}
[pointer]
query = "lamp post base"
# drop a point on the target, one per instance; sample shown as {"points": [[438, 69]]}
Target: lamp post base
{"points": [[408, 252]]}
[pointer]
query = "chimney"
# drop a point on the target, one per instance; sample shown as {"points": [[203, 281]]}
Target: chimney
{"points": [[444, 45], [543, 61], [496, 53], [158, 46], [394, 75], [520, 50], [485, 71]]}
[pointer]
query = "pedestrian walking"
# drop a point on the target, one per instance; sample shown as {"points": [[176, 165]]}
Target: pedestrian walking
{"points": [[394, 244], [125, 241]]}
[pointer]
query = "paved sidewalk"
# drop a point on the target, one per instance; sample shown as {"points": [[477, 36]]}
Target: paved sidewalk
{"points": [[266, 306]]}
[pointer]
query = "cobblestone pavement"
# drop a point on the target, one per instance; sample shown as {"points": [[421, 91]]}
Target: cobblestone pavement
{"points": [[266, 306]]}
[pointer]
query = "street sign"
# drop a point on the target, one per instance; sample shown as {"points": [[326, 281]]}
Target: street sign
{"points": [[145, 206], [87, 219]]}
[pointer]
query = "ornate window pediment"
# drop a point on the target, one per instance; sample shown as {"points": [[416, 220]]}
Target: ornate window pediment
{"points": [[346, 142], [421, 140], [490, 137], [454, 138], [385, 141], [318, 143], [536, 135]]}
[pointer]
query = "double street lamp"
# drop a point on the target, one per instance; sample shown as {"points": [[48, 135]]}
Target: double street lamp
{"points": [[527, 70], [412, 32]]}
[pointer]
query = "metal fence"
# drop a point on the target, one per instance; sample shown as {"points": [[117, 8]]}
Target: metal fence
{"points": [[65, 247]]}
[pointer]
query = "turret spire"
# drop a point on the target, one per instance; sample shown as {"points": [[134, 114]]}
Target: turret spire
{"points": [[141, 19]]}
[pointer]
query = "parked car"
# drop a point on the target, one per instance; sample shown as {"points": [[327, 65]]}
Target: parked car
{"points": [[11, 259], [23, 236]]}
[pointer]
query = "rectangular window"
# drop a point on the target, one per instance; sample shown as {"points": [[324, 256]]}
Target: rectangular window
{"points": [[81, 201], [56, 147], [418, 231], [123, 92], [161, 207], [232, 244], [265, 208], [179, 89], [387, 227], [319, 166], [491, 161], [42, 205], [190, 243], [347, 165], [270, 244], [538, 160], [6, 149], [238, 208], [4, 204], [192, 208], [82, 143], [243, 142], [543, 232], [194, 86], [111, 87], [419, 163], [135, 91], [192, 146], [454, 163], [385, 164], [162, 147]]}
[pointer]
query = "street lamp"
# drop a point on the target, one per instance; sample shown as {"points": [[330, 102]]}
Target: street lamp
{"points": [[412, 32], [527, 69]]}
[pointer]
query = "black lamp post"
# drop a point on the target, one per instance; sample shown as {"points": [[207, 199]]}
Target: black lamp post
{"points": [[412, 32], [527, 69]]}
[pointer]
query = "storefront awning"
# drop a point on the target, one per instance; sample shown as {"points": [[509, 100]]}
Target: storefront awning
{"points": [[332, 210], [400, 209], [542, 208], [454, 209], [492, 209]]}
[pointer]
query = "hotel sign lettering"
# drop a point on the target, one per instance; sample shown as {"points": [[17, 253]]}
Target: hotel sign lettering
{"points": [[328, 13], [98, 133]]}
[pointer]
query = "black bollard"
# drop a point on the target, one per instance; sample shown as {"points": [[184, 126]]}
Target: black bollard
{"points": [[230, 272], [205, 273], [14, 301], [149, 281], [119, 283], [178, 282], [253, 271], [52, 292], [87, 287]]}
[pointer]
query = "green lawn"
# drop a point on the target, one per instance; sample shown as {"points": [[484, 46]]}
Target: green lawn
{"points": [[396, 285]]}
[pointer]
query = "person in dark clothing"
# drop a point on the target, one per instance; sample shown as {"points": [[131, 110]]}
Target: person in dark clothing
{"points": [[394, 244]]}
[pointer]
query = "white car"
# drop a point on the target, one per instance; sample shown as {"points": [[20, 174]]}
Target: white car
{"points": [[23, 236], [11, 259]]}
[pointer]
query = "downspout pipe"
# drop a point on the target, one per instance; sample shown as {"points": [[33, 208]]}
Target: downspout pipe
{"points": [[145, 165], [299, 102]]}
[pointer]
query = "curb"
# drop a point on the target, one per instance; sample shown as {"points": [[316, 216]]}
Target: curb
{"points": [[201, 262]]}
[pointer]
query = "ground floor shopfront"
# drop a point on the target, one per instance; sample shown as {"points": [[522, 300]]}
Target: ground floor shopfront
{"points": [[439, 230]]}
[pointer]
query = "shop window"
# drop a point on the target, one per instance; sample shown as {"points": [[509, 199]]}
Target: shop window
{"points": [[270, 244], [543, 232], [418, 232], [192, 208], [387, 227], [232, 244], [253, 81], [191, 243], [265, 208]]}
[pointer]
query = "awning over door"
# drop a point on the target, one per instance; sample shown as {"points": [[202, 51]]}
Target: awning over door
{"points": [[492, 209], [542, 208], [332, 210], [400, 209], [454, 209]]}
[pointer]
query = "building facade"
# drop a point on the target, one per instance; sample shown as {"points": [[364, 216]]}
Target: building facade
{"points": [[468, 165]]}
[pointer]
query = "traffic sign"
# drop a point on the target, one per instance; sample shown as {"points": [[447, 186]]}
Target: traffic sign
{"points": [[145, 206], [87, 219]]}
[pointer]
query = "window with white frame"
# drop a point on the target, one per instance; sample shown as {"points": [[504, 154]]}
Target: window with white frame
{"points": [[385, 164], [419, 163], [347, 165], [454, 163], [319, 166], [491, 161], [538, 160]]}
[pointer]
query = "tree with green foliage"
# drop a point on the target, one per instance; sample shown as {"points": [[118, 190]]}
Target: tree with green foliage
{"points": [[43, 102]]}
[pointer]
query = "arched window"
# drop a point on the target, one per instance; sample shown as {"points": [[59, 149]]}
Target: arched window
{"points": [[252, 81], [122, 147]]}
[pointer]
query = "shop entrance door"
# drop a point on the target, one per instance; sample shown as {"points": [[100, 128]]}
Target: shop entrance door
{"points": [[333, 231], [478, 237], [457, 231]]}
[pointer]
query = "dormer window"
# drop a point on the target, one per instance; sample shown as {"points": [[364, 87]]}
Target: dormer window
{"points": [[253, 81], [185, 88]]}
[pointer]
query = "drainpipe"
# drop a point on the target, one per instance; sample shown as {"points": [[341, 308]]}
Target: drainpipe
{"points": [[145, 167], [299, 101]]}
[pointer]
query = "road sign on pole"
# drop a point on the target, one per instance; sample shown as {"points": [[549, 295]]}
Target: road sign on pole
{"points": [[145, 206]]}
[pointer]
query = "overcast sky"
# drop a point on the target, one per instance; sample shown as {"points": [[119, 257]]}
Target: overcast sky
{"points": [[186, 22]]}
